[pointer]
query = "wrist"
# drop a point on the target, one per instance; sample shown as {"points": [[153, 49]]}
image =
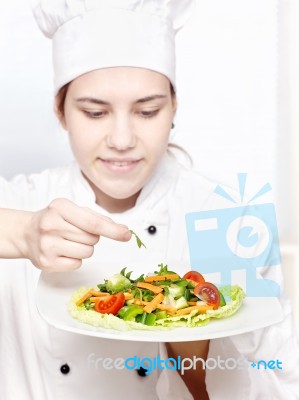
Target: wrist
{"points": [[22, 237]]}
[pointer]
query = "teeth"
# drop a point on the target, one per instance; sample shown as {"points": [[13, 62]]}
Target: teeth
{"points": [[121, 163]]}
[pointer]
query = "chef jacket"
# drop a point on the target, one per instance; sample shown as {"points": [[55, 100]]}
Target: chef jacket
{"points": [[40, 362]]}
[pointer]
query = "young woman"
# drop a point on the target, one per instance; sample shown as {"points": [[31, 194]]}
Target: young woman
{"points": [[115, 96]]}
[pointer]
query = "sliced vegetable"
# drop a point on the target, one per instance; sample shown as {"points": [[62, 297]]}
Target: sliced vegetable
{"points": [[83, 298], [88, 305], [194, 276], [150, 319], [152, 278], [98, 294], [118, 283], [187, 294], [181, 282], [153, 304], [128, 296], [149, 286], [222, 300], [110, 304], [131, 312], [141, 318], [122, 311], [209, 293], [181, 303], [200, 309], [163, 307], [176, 291], [161, 314]]}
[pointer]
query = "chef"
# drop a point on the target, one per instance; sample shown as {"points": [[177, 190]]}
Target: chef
{"points": [[114, 70]]}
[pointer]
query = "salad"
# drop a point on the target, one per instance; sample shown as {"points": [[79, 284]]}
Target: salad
{"points": [[159, 300]]}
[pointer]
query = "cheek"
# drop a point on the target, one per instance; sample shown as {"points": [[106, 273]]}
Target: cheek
{"points": [[157, 141], [80, 138]]}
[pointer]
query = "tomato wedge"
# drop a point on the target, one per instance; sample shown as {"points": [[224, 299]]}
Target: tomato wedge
{"points": [[194, 276], [209, 293], [110, 304]]}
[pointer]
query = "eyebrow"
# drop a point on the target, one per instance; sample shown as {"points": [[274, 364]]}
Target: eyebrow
{"points": [[103, 102]]}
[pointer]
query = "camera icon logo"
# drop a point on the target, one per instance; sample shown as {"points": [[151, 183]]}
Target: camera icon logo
{"points": [[237, 238]]}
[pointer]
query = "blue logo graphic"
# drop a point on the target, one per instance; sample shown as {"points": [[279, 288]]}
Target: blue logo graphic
{"points": [[238, 238], [263, 364]]}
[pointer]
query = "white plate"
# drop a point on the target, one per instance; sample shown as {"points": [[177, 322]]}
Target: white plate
{"points": [[54, 291]]}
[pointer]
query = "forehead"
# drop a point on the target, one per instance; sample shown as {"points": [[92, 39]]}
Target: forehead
{"points": [[129, 81]]}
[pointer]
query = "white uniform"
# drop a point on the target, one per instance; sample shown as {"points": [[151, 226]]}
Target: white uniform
{"points": [[32, 353]]}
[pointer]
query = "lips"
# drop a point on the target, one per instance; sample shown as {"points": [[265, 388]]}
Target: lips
{"points": [[120, 165]]}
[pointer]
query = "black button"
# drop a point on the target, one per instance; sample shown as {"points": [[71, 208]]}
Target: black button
{"points": [[65, 369], [141, 371], [152, 229]]}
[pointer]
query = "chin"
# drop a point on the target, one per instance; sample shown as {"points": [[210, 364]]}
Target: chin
{"points": [[122, 195]]}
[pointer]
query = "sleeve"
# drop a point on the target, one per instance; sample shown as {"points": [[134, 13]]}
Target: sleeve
{"points": [[14, 193], [11, 193], [34, 191], [170, 385]]}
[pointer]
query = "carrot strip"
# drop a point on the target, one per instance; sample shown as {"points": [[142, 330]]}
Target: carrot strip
{"points": [[94, 299], [200, 309], [165, 307], [98, 294], [83, 298], [154, 303], [168, 277], [148, 286], [192, 303], [128, 296]]}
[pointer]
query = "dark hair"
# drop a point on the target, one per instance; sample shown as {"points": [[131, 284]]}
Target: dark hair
{"points": [[61, 95]]}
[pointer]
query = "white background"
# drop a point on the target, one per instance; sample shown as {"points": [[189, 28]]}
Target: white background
{"points": [[237, 79]]}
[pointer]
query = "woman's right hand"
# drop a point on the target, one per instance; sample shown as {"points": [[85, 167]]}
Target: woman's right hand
{"points": [[60, 236]]}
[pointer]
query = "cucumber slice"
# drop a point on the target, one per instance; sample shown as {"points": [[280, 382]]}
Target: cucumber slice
{"points": [[181, 303], [176, 291]]}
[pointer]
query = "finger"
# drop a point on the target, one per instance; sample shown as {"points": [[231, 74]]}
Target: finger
{"points": [[74, 234], [66, 248], [64, 264], [96, 213], [91, 222]]}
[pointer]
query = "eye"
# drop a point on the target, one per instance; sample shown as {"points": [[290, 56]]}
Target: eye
{"points": [[148, 113], [94, 114]]}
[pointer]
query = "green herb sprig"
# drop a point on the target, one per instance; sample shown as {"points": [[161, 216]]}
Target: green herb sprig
{"points": [[138, 240]]}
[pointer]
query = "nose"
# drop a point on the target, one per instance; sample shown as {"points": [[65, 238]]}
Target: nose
{"points": [[121, 136]]}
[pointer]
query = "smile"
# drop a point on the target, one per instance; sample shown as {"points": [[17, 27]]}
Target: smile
{"points": [[116, 165]]}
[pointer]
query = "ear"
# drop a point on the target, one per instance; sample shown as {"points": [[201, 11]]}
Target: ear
{"points": [[58, 112]]}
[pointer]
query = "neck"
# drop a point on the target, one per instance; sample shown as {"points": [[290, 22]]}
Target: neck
{"points": [[111, 204]]}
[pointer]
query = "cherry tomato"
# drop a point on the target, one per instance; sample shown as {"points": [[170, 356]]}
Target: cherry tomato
{"points": [[209, 293], [194, 276], [110, 304]]}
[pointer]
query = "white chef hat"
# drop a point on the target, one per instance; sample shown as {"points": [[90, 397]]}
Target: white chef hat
{"points": [[93, 34]]}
